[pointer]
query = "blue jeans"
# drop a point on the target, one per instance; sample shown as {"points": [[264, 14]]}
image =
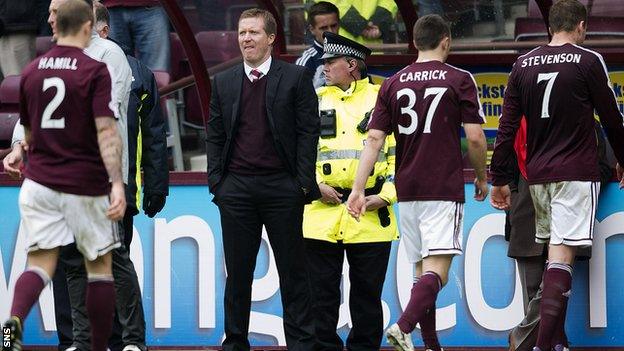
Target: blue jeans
{"points": [[145, 31], [429, 7]]}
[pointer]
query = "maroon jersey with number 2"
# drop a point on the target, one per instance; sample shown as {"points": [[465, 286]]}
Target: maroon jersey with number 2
{"points": [[557, 88], [61, 94], [424, 105]]}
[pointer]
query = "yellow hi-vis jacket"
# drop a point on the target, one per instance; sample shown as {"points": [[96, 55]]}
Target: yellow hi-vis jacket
{"points": [[355, 14], [337, 164]]}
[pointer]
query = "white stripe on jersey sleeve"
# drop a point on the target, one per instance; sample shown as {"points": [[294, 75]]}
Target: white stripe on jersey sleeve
{"points": [[481, 114], [606, 72], [528, 53]]}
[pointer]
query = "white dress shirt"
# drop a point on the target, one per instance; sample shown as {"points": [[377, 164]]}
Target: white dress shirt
{"points": [[115, 59], [263, 68]]}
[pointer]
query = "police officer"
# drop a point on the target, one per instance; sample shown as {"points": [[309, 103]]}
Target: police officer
{"points": [[345, 105]]}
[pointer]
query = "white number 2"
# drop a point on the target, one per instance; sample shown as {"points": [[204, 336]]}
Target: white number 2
{"points": [[409, 109], [550, 77], [46, 119]]}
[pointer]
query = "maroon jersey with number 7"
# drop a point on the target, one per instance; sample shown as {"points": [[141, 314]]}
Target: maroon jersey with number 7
{"points": [[558, 88]]}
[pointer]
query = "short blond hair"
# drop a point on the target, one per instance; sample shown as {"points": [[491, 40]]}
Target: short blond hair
{"points": [[270, 26], [72, 15]]}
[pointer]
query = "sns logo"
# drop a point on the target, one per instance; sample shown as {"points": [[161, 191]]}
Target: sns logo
{"points": [[6, 337]]}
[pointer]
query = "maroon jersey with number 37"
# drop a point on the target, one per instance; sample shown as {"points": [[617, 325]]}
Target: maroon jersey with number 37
{"points": [[424, 105], [557, 88], [61, 94]]}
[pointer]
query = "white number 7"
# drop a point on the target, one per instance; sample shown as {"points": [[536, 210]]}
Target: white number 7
{"points": [[438, 92], [550, 77]]}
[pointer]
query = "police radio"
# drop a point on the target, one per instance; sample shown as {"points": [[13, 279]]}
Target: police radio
{"points": [[362, 127], [328, 123]]}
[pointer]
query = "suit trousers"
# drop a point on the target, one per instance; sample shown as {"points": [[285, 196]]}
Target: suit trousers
{"points": [[367, 272], [70, 280], [16, 51], [246, 204]]}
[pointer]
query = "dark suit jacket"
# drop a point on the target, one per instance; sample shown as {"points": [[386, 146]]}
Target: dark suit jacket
{"points": [[292, 110]]}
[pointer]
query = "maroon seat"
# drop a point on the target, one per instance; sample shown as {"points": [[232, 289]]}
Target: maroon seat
{"points": [[611, 8], [233, 10], [7, 124], [598, 27], [530, 28], [534, 10], [44, 44], [218, 46], [179, 66], [162, 78], [9, 94], [192, 114]]}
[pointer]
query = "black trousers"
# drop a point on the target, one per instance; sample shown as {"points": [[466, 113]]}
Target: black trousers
{"points": [[367, 271], [70, 286], [246, 203]]}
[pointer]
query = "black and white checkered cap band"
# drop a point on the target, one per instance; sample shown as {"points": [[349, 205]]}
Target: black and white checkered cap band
{"points": [[339, 49]]}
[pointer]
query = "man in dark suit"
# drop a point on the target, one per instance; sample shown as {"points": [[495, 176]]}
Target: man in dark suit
{"points": [[261, 144]]}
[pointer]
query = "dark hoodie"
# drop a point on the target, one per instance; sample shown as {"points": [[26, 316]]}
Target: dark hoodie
{"points": [[147, 124], [17, 16]]}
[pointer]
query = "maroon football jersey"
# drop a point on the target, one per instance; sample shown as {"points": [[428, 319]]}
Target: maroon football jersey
{"points": [[424, 105], [61, 93], [557, 88]]}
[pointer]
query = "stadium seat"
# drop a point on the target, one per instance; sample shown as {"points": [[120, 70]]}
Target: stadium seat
{"points": [[217, 46], [192, 116], [534, 11], [233, 10], [179, 66], [294, 22], [598, 27], [169, 109], [7, 123], [530, 28], [44, 44], [9, 94], [162, 78], [610, 8]]}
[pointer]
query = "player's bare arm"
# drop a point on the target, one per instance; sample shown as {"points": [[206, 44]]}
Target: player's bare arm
{"points": [[13, 161], [110, 150], [477, 153], [356, 204]]}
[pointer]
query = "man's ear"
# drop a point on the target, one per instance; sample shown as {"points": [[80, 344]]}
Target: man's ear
{"points": [[106, 30], [582, 25], [447, 43], [352, 65]]}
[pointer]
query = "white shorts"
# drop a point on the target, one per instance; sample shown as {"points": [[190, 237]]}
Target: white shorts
{"points": [[52, 219], [431, 228], [565, 212]]}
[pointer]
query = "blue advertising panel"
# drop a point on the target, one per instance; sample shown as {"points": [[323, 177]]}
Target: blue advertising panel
{"points": [[179, 259]]}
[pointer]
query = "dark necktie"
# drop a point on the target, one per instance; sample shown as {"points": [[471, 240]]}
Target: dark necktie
{"points": [[255, 75]]}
